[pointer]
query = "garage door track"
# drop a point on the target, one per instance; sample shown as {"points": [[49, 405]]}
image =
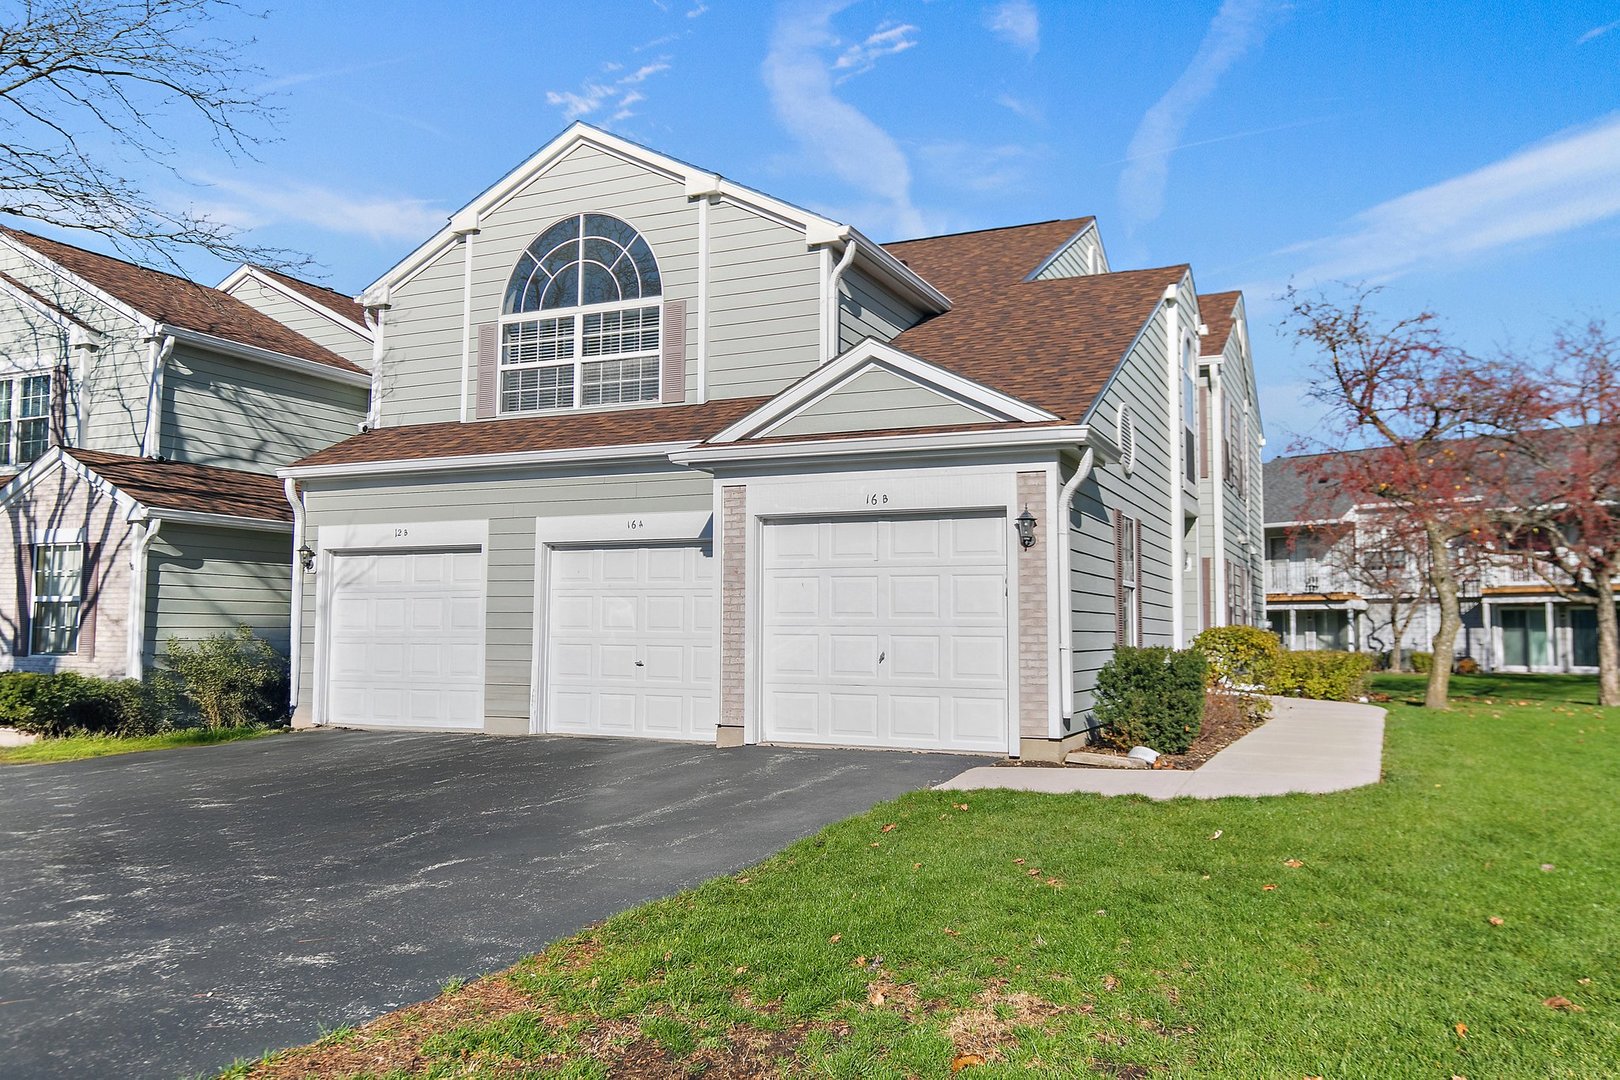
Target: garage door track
{"points": [[164, 914]]}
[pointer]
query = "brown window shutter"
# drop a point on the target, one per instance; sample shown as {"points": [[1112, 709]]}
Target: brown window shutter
{"points": [[25, 596], [1140, 629], [1203, 431], [672, 369], [1206, 569], [89, 601], [489, 361], [59, 408], [1119, 579]]}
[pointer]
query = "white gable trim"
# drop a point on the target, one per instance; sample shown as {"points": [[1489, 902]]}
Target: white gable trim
{"points": [[1091, 227], [863, 356], [44, 261], [55, 458], [252, 273]]}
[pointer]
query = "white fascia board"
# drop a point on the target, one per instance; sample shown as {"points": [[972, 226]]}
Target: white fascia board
{"points": [[869, 352], [858, 446], [61, 319], [218, 521], [265, 356], [54, 458], [875, 259], [476, 462], [146, 322], [253, 273], [1090, 227]]}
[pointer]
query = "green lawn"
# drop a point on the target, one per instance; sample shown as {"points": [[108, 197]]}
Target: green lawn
{"points": [[75, 747], [1350, 935]]}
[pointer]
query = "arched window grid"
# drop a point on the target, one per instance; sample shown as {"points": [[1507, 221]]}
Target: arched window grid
{"points": [[577, 328]]}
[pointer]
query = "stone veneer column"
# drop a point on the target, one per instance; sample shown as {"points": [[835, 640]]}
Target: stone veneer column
{"points": [[733, 613], [1034, 666]]}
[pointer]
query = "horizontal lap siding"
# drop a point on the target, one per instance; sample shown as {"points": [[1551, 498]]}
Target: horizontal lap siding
{"points": [[864, 311], [207, 581], [321, 329], [510, 503], [242, 415], [1139, 382], [1244, 514], [764, 304], [1075, 260], [877, 400], [422, 366]]}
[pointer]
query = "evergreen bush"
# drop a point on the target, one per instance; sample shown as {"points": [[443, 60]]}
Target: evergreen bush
{"points": [[1238, 655], [1151, 697]]}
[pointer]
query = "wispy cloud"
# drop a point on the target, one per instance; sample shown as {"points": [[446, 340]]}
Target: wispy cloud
{"points": [[696, 10], [978, 168], [300, 78], [1249, 134], [1597, 32], [377, 217], [597, 94], [886, 40], [1017, 23], [1239, 26], [833, 133], [1568, 182], [1019, 107]]}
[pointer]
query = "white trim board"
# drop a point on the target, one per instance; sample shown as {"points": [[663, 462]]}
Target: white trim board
{"points": [[246, 272], [471, 462]]}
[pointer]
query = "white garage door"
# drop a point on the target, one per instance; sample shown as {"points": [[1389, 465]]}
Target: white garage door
{"points": [[630, 642], [406, 644], [887, 632]]}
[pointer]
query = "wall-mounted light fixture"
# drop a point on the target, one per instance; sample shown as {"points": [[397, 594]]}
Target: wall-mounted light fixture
{"points": [[1026, 528], [306, 557]]}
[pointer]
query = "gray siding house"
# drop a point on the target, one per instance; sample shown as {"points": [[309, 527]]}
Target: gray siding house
{"points": [[142, 418], [657, 455]]}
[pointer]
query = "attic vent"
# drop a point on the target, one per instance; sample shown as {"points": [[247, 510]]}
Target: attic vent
{"points": [[1127, 438]]}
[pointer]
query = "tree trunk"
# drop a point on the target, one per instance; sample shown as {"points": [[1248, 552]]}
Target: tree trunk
{"points": [[1444, 647], [1397, 656], [1608, 628]]}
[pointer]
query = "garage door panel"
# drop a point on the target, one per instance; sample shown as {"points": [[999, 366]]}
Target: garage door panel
{"points": [[853, 596], [914, 596], [914, 539], [793, 654], [980, 722], [851, 540], [916, 720], [572, 612], [978, 660], [979, 597], [854, 656], [793, 596], [914, 657], [854, 716]]}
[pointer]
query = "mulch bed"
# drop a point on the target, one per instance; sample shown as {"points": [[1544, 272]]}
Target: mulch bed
{"points": [[1225, 722]]}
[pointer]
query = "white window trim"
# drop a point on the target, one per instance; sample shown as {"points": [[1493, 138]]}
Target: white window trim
{"points": [[35, 599], [579, 361], [16, 377]]}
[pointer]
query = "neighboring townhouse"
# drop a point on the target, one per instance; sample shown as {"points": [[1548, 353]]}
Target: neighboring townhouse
{"points": [[1331, 573], [142, 418], [658, 455]]}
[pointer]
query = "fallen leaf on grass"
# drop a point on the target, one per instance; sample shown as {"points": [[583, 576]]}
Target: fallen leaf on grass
{"points": [[1562, 1004], [1584, 982], [743, 880], [1216, 835], [1268, 888], [963, 1061], [1462, 1030], [890, 827], [916, 866], [874, 843], [1018, 862], [1496, 920], [1036, 872], [1110, 983], [835, 939], [859, 961], [1293, 864], [1547, 868], [953, 933], [1056, 883], [958, 806], [876, 998]]}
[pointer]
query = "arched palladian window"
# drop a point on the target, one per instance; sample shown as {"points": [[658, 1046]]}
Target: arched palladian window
{"points": [[577, 327]]}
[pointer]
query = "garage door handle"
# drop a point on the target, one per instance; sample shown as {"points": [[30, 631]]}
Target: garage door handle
{"points": [[881, 655], [641, 663]]}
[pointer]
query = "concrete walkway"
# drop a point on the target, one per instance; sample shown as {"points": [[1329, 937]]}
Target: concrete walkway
{"points": [[1306, 746]]}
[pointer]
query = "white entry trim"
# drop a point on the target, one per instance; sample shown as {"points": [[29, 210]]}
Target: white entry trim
{"points": [[601, 530]]}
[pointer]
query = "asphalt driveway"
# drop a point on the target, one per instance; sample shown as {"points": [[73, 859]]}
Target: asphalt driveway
{"points": [[163, 914]]}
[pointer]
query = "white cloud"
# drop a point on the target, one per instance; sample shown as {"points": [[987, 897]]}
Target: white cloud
{"points": [[977, 168], [1017, 23], [380, 218], [835, 134], [887, 40], [1597, 32], [1239, 26], [1018, 106], [595, 94], [1568, 182], [697, 9]]}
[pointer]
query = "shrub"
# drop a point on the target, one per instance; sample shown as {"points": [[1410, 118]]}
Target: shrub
{"points": [[1151, 697], [1327, 676], [1421, 662], [1238, 655], [230, 680], [66, 703], [1467, 666]]}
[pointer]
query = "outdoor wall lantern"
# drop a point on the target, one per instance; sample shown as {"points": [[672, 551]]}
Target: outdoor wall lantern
{"points": [[306, 557], [1026, 528]]}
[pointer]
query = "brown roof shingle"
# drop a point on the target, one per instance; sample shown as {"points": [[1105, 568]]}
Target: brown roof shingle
{"points": [[559, 431], [179, 302], [961, 264], [202, 489], [1218, 311], [330, 299]]}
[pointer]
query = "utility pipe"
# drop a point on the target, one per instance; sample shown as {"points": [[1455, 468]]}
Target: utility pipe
{"points": [[295, 639], [466, 234], [830, 334], [1065, 569], [158, 351], [145, 531], [376, 322], [1175, 466], [1217, 487]]}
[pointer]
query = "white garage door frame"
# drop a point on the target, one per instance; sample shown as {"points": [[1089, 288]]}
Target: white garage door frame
{"points": [[964, 489], [390, 538], [628, 529]]}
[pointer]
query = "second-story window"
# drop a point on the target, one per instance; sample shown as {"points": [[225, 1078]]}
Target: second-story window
{"points": [[580, 323], [25, 418]]}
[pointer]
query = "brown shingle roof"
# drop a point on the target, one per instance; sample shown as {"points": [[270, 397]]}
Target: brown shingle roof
{"points": [[1217, 309], [179, 302], [560, 431], [964, 263], [330, 299], [43, 300], [202, 489]]}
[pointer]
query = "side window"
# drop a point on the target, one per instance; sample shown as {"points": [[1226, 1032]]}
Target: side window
{"points": [[58, 596], [25, 418]]}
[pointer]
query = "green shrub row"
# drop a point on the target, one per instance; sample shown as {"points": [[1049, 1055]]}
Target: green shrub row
{"points": [[229, 680], [1326, 676]]}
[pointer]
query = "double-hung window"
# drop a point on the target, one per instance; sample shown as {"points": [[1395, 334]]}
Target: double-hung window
{"points": [[25, 418], [580, 323], [58, 597]]}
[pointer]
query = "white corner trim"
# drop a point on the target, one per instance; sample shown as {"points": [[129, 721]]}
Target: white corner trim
{"points": [[218, 521], [60, 536], [403, 536], [266, 356], [871, 352], [626, 528], [246, 272], [473, 462]]}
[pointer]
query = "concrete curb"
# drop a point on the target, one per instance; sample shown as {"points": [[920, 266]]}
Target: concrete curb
{"points": [[1307, 746]]}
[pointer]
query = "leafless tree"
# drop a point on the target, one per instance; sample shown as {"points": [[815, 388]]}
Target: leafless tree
{"points": [[92, 92]]}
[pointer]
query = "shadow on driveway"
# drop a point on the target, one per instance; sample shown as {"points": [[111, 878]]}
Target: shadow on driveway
{"points": [[165, 913]]}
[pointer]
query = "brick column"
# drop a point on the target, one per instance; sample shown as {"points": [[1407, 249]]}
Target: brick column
{"points": [[733, 613], [1034, 666]]}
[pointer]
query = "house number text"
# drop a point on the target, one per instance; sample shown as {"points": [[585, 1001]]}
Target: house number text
{"points": [[401, 533], [877, 498], [636, 523]]}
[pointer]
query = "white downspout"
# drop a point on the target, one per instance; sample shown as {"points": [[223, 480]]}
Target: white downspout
{"points": [[466, 232], [1172, 333], [158, 350], [830, 336], [1065, 569], [1217, 485], [295, 639], [376, 320], [145, 531]]}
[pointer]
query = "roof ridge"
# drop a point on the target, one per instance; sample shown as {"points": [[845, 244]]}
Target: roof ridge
{"points": [[992, 228], [110, 258]]}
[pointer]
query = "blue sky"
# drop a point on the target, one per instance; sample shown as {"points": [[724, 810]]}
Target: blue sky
{"points": [[1468, 160]]}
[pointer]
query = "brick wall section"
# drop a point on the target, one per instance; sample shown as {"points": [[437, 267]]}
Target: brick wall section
{"points": [[64, 501], [1034, 666], [733, 610]]}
